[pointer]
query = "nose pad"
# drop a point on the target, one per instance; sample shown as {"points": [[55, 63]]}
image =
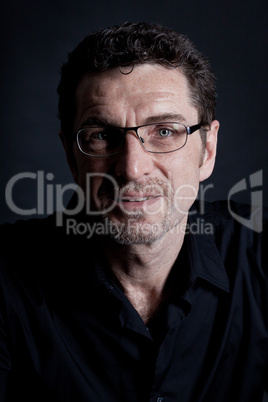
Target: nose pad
{"points": [[134, 132], [133, 160], [132, 137]]}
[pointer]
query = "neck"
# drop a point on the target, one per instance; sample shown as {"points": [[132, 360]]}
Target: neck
{"points": [[142, 270]]}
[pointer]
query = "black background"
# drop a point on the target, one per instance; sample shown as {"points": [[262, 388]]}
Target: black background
{"points": [[36, 37]]}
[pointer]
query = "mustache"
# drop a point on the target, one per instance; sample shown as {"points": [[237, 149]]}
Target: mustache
{"points": [[150, 187]]}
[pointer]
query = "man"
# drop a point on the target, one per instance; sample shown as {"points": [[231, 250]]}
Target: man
{"points": [[146, 309]]}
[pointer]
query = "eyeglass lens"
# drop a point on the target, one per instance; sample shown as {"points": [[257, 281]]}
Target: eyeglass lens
{"points": [[160, 137]]}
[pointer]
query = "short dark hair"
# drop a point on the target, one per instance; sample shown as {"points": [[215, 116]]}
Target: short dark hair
{"points": [[137, 43]]}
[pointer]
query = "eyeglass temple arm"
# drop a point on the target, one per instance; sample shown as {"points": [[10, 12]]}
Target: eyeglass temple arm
{"points": [[192, 129]]}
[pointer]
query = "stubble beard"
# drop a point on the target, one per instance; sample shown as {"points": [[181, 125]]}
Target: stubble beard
{"points": [[137, 230], [139, 226]]}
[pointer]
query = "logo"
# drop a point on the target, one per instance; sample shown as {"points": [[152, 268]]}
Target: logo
{"points": [[254, 222], [49, 197]]}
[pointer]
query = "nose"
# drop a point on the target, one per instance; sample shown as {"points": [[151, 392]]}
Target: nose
{"points": [[133, 161]]}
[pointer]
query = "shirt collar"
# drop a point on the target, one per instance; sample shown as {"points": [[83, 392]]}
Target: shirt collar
{"points": [[204, 257]]}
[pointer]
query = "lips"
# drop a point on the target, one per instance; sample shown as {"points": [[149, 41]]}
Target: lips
{"points": [[131, 194], [133, 199], [136, 198]]}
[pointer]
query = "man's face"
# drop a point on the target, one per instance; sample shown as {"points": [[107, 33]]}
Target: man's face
{"points": [[154, 191]]}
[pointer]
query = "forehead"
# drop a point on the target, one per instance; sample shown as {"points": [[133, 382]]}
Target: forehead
{"points": [[149, 88]]}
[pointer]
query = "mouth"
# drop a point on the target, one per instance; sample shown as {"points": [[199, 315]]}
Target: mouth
{"points": [[137, 203], [136, 199], [131, 197]]}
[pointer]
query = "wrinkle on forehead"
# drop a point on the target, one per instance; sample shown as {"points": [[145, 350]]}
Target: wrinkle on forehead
{"points": [[147, 86], [112, 82]]}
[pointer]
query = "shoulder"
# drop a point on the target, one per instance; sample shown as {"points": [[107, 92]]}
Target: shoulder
{"points": [[24, 239], [40, 245], [233, 216], [239, 234], [39, 260], [30, 247], [25, 244], [24, 229]]}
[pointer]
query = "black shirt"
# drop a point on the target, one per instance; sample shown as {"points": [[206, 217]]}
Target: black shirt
{"points": [[69, 334]]}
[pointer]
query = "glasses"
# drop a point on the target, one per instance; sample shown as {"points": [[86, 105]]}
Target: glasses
{"points": [[158, 138]]}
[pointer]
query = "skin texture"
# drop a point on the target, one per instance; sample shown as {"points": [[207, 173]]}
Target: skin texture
{"points": [[148, 232]]}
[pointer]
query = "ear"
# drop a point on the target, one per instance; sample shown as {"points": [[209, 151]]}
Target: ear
{"points": [[208, 163], [68, 147]]}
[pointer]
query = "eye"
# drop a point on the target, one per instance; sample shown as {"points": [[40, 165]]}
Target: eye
{"points": [[110, 135], [103, 135], [165, 132]]}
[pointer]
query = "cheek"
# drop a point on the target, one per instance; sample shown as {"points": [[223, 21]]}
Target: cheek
{"points": [[90, 181], [182, 169], [88, 169], [183, 175]]}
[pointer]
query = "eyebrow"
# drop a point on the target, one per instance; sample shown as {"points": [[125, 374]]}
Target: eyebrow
{"points": [[164, 117], [96, 121]]}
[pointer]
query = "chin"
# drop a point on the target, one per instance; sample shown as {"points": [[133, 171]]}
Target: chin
{"points": [[137, 230]]}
